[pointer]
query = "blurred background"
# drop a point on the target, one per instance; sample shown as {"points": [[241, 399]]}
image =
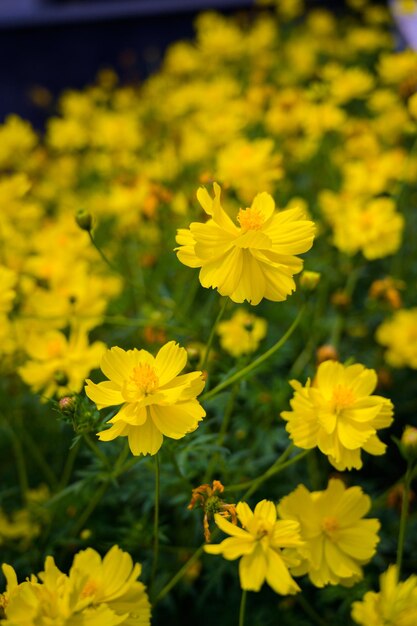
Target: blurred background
{"points": [[49, 45]]}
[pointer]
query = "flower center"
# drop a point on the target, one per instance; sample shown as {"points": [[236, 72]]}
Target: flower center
{"points": [[89, 589], [262, 530], [54, 348], [330, 524], [145, 378], [342, 398], [250, 219]]}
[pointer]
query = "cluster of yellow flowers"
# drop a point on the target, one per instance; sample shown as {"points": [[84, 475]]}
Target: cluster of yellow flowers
{"points": [[96, 592], [308, 133]]}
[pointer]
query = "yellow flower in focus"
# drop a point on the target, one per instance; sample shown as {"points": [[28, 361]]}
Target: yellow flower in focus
{"points": [[251, 261], [399, 336], [58, 365], [338, 413], [261, 542], [337, 540], [155, 400], [242, 333], [394, 605]]}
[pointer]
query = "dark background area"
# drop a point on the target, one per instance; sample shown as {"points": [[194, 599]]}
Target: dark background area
{"points": [[59, 44]]}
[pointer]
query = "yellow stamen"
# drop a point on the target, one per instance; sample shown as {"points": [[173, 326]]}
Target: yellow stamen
{"points": [[145, 378], [330, 525], [250, 219], [342, 398], [89, 589]]}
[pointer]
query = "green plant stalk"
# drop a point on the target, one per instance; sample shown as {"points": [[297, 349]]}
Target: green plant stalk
{"points": [[33, 449], [204, 361], [242, 607], [404, 515], [69, 464], [309, 610], [20, 464], [183, 570], [94, 502], [155, 525], [96, 450], [256, 363], [222, 433]]}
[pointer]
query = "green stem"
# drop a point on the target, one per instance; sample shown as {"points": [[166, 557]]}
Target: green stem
{"points": [[107, 261], [175, 579], [256, 363], [155, 524], [20, 463], [403, 519], [203, 364], [94, 502], [308, 610], [222, 433], [279, 465], [96, 450], [242, 607], [36, 454], [69, 464]]}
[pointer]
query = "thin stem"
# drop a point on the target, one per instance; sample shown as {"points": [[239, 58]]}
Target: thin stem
{"points": [[69, 464], [256, 363], [309, 610], [95, 449], [175, 579], [155, 524], [205, 358], [278, 466], [107, 261], [36, 454], [94, 502], [242, 607], [404, 515], [20, 463]]}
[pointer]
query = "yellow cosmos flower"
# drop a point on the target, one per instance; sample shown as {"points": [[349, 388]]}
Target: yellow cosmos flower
{"points": [[261, 543], [337, 540], [338, 414], [395, 604], [242, 333], [97, 592], [399, 335], [155, 400], [251, 261]]}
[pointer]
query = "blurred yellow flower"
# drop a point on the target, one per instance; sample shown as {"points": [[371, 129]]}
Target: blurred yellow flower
{"points": [[252, 261], [155, 400], [58, 365], [399, 336], [261, 542], [338, 413], [337, 540], [97, 592], [242, 333], [395, 604]]}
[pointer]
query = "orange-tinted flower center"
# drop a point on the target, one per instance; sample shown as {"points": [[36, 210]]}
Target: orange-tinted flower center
{"points": [[250, 219], [262, 530], [54, 348], [145, 378], [330, 524], [342, 398], [89, 589]]}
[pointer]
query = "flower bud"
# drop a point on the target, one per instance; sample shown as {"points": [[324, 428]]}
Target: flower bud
{"points": [[309, 280], [84, 219], [409, 443]]}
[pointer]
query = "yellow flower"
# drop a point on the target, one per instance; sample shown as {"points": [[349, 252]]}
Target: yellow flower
{"points": [[242, 333], [337, 540], [58, 365], [394, 605], [399, 335], [260, 542], [251, 261], [338, 414], [155, 400], [96, 593], [8, 280], [111, 581]]}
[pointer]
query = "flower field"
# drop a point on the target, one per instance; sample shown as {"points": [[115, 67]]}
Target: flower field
{"points": [[208, 323]]}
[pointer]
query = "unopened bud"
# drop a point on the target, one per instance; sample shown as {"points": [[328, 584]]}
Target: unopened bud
{"points": [[61, 378], [327, 352], [67, 404], [409, 443], [84, 219], [309, 280]]}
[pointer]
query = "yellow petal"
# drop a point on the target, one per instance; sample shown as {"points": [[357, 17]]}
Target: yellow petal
{"points": [[104, 394], [252, 569], [178, 420], [145, 439], [278, 576], [169, 362]]}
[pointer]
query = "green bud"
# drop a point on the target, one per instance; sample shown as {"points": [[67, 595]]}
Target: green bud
{"points": [[84, 219]]}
